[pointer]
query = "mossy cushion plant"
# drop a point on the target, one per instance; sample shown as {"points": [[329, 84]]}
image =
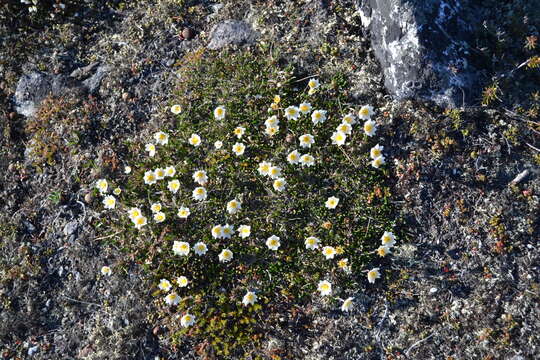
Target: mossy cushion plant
{"points": [[264, 192]]}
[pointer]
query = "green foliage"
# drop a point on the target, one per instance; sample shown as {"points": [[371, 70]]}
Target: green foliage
{"points": [[246, 83]]}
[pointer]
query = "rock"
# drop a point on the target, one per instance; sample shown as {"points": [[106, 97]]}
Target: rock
{"points": [[33, 350], [32, 88], [231, 32], [92, 83], [71, 228], [424, 47], [30, 228], [188, 34]]}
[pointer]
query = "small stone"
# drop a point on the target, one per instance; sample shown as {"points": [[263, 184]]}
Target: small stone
{"points": [[125, 96], [289, 138], [33, 350], [188, 33], [71, 228], [231, 32], [88, 198], [433, 290], [157, 330]]}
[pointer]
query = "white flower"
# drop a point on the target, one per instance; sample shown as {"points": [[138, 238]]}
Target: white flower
{"points": [[172, 299], [293, 157], [182, 281], [200, 248], [150, 177], [313, 83], [332, 202], [378, 162], [134, 213], [344, 128], [304, 107], [239, 131], [329, 252], [161, 138], [176, 109], [181, 248], [324, 287], [343, 264], [312, 91], [264, 168], [183, 212], [338, 138], [373, 274], [227, 231], [292, 113], [312, 243], [349, 119], [159, 217], [383, 250], [225, 255], [217, 232], [127, 169], [195, 140], [365, 112], [218, 144], [173, 186], [140, 222], [102, 185], [249, 299], [347, 304], [170, 171], [388, 238], [273, 242], [271, 121], [279, 184], [233, 206], [187, 320], [370, 127], [376, 151], [199, 194], [306, 140], [271, 130], [307, 160], [117, 191], [244, 231], [318, 116], [238, 149], [109, 202], [274, 172], [165, 285], [106, 271], [219, 113], [160, 173], [151, 148]]}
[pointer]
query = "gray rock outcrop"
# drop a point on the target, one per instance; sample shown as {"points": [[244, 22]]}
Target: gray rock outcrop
{"points": [[231, 32], [32, 88], [424, 48]]}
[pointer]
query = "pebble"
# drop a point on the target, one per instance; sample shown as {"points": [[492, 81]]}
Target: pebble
{"points": [[33, 350], [188, 33], [433, 290], [88, 198]]}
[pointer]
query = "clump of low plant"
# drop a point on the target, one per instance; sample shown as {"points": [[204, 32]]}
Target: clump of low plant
{"points": [[61, 125], [266, 190]]}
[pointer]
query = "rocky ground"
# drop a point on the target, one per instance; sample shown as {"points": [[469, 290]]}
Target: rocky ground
{"points": [[465, 280]]}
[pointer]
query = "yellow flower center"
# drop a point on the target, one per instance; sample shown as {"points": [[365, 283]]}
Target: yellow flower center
{"points": [[325, 287]]}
